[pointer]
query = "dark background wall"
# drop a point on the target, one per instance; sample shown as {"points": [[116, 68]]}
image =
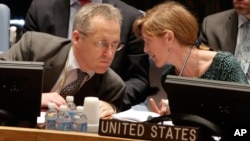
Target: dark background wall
{"points": [[200, 8], [18, 7]]}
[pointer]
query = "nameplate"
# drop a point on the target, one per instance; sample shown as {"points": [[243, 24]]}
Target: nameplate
{"points": [[147, 131]]}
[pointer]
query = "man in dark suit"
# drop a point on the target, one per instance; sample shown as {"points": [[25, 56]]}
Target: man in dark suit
{"points": [[226, 31], [131, 63], [95, 40]]}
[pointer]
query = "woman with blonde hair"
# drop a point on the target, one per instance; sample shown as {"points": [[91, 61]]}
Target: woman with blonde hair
{"points": [[170, 31]]}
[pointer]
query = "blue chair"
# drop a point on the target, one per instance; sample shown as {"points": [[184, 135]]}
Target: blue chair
{"points": [[4, 27]]}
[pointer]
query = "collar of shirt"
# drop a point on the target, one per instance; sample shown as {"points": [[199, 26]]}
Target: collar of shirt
{"points": [[241, 32], [73, 64], [241, 21]]}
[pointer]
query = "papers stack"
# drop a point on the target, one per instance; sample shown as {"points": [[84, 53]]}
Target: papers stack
{"points": [[134, 115]]}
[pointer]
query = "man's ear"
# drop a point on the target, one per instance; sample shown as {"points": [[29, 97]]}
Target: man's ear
{"points": [[75, 36]]}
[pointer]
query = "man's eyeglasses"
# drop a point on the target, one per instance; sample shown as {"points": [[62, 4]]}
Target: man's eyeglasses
{"points": [[104, 45]]}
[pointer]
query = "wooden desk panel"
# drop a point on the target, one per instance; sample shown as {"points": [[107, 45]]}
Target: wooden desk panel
{"points": [[28, 134]]}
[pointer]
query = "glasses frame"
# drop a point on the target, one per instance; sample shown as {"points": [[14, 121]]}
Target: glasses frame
{"points": [[104, 45]]}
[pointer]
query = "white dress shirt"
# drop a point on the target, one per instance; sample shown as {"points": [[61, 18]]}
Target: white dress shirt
{"points": [[69, 73]]}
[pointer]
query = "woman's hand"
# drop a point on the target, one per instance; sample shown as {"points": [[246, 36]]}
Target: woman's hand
{"points": [[162, 108]]}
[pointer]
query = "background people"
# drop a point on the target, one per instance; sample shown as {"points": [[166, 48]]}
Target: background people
{"points": [[131, 63], [230, 32], [95, 40]]}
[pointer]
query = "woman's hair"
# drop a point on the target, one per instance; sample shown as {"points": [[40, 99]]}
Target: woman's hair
{"points": [[84, 16], [168, 16]]}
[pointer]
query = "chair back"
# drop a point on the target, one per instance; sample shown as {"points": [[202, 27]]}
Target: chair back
{"points": [[4, 27]]}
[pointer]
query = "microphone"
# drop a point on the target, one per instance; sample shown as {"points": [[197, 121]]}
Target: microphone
{"points": [[185, 62]]}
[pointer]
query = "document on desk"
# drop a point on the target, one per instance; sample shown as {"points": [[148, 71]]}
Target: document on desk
{"points": [[134, 115]]}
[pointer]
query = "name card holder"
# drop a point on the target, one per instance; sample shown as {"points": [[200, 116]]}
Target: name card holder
{"points": [[147, 131]]}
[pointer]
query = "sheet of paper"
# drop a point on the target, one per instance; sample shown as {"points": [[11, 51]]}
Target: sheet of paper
{"points": [[134, 115], [41, 119]]}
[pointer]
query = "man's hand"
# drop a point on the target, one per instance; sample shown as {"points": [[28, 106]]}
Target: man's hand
{"points": [[106, 110], [52, 97]]}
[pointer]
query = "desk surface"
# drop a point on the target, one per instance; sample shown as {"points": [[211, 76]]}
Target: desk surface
{"points": [[29, 134]]}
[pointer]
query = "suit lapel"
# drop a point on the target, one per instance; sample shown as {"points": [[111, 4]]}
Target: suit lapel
{"points": [[231, 33], [61, 15], [51, 75], [53, 68]]}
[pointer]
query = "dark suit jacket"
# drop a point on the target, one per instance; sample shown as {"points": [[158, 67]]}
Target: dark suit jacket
{"points": [[219, 31], [53, 51], [52, 16]]}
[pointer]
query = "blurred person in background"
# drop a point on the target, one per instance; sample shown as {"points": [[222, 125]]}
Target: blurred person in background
{"points": [[228, 30]]}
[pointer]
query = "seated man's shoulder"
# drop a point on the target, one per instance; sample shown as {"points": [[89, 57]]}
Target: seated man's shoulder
{"points": [[222, 14], [35, 34], [113, 76]]}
